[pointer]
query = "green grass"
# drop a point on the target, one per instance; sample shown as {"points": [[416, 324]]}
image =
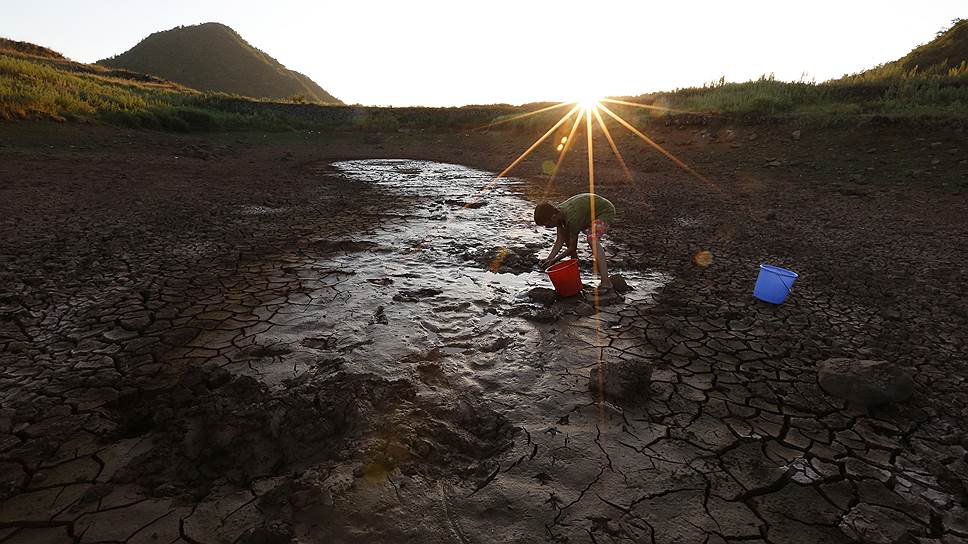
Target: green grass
{"points": [[930, 80], [54, 88], [31, 88], [911, 94]]}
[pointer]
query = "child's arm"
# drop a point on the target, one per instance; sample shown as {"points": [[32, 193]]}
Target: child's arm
{"points": [[556, 250]]}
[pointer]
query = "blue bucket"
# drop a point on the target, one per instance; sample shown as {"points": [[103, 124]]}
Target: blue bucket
{"points": [[774, 283]]}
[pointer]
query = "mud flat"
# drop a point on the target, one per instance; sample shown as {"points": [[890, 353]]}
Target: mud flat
{"points": [[267, 344]]}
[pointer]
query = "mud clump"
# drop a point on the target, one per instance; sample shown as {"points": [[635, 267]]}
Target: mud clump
{"points": [[620, 380], [212, 429], [511, 260], [543, 295], [865, 383]]}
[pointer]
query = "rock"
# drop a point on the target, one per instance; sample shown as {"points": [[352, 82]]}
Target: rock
{"points": [[543, 295], [752, 137], [621, 380], [774, 164], [795, 135], [865, 382], [512, 259], [619, 283], [544, 315], [871, 524]]}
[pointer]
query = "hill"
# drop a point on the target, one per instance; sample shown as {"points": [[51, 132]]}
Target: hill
{"points": [[930, 80], [213, 57], [28, 49], [946, 54], [38, 83]]}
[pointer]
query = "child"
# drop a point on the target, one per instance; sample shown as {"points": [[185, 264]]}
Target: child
{"points": [[571, 217]]}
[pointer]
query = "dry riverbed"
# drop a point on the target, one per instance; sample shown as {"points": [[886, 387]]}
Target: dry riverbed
{"points": [[241, 339]]}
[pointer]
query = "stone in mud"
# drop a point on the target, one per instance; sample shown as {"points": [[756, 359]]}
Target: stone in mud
{"points": [[865, 382], [620, 380], [543, 295], [544, 315], [619, 283], [512, 260], [872, 524]]}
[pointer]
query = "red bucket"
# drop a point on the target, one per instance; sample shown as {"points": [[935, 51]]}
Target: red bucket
{"points": [[565, 277]]}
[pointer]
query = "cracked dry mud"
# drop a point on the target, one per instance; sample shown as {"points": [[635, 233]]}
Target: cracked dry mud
{"points": [[384, 377]]}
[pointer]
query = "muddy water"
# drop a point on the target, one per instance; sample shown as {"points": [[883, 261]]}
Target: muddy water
{"points": [[421, 288], [418, 297]]}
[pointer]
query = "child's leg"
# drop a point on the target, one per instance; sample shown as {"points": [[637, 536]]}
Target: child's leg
{"points": [[601, 264]]}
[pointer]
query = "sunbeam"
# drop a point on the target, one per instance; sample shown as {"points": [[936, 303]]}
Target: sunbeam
{"points": [[536, 143], [524, 115], [644, 106], [611, 144], [569, 141], [658, 147]]}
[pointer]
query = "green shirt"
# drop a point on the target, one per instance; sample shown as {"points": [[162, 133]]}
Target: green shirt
{"points": [[577, 211]]}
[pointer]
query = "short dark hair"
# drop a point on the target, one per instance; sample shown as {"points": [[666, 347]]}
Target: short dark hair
{"points": [[543, 213]]}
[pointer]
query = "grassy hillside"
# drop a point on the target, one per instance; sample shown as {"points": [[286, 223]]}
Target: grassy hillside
{"points": [[29, 49], [48, 86], [931, 80], [946, 55], [213, 57]]}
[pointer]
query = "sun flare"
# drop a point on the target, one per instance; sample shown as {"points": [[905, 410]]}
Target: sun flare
{"points": [[589, 103]]}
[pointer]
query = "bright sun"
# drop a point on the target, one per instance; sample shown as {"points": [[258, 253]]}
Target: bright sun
{"points": [[589, 103]]}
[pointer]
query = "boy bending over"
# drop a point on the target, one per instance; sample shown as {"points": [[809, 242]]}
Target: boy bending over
{"points": [[571, 217]]}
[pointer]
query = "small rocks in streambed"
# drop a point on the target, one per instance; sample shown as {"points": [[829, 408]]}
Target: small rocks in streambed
{"points": [[543, 295], [865, 382], [620, 380]]}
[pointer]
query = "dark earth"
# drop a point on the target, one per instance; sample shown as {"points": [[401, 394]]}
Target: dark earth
{"points": [[238, 338]]}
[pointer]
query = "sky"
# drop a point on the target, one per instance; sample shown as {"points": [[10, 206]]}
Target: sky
{"points": [[457, 52]]}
